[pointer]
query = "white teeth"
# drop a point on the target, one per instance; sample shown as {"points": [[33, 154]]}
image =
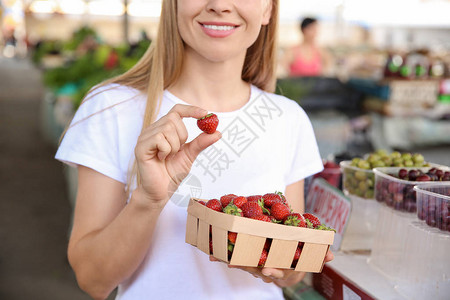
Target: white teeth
{"points": [[215, 27]]}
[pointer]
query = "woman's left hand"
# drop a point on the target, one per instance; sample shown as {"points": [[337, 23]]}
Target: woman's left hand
{"points": [[281, 277]]}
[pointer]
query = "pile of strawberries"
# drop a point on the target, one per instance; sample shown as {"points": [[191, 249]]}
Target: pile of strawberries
{"points": [[271, 207]]}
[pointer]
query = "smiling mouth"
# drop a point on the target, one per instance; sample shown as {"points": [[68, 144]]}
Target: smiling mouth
{"points": [[219, 27]]}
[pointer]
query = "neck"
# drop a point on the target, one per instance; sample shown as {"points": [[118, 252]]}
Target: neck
{"points": [[214, 86], [308, 42]]}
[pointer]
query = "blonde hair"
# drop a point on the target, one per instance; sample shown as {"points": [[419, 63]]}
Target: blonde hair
{"points": [[161, 65]]}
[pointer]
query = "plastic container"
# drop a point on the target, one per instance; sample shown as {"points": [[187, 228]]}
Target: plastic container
{"points": [[251, 237], [360, 232], [389, 242], [433, 204], [398, 193], [356, 181], [424, 269]]}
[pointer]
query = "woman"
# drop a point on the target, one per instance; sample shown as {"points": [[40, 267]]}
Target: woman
{"points": [[306, 59], [134, 140]]}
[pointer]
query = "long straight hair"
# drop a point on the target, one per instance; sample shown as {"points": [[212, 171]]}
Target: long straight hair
{"points": [[161, 65]]}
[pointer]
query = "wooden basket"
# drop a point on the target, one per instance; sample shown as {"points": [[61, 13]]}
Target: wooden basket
{"points": [[251, 237]]}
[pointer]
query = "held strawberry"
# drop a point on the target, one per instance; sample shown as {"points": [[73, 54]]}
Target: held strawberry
{"points": [[208, 123]]}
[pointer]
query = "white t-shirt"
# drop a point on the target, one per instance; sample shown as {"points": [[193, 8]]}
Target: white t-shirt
{"points": [[267, 144]]}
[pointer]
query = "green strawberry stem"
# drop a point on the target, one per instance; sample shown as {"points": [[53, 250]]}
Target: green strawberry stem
{"points": [[207, 116]]}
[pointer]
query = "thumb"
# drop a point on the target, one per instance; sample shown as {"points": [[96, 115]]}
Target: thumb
{"points": [[200, 143]]}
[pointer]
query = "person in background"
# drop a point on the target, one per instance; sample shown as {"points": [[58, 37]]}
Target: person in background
{"points": [[134, 140], [306, 58]]}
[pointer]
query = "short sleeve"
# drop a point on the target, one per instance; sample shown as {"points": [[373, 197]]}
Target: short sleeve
{"points": [[92, 139], [306, 160]]}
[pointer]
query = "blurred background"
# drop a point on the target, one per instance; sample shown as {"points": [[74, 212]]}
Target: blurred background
{"points": [[376, 75]]}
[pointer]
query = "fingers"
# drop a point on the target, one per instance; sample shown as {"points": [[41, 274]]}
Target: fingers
{"points": [[329, 256], [273, 273], [166, 136], [188, 111]]}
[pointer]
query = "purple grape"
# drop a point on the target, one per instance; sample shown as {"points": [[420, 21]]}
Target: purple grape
{"points": [[402, 174], [432, 171], [424, 177], [412, 174]]}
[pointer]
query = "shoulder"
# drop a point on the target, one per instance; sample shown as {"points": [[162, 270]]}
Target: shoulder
{"points": [[110, 101], [112, 94]]}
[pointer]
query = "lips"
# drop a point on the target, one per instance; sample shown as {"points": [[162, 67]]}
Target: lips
{"points": [[218, 29]]}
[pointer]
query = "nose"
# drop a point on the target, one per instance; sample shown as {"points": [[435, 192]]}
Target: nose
{"points": [[219, 6]]}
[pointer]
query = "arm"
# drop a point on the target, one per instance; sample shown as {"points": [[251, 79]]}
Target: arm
{"points": [[110, 238], [295, 195]]}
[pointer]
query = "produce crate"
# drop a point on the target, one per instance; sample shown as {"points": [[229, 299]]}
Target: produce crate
{"points": [[251, 237], [398, 193], [433, 204]]}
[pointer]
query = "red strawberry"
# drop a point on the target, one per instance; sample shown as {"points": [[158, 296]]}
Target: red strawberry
{"points": [[263, 258], [298, 251], [254, 198], [312, 219], [208, 123], [271, 198], [214, 204], [297, 254], [210, 246], [295, 219], [232, 237], [239, 201], [262, 218], [226, 199], [273, 220], [251, 209], [202, 202], [280, 211]]}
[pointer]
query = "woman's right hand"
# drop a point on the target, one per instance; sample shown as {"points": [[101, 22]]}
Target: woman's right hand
{"points": [[164, 158]]}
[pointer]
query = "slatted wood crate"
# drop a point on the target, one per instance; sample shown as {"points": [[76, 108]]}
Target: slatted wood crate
{"points": [[251, 237]]}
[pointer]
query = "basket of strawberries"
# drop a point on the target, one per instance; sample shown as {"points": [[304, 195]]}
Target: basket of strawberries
{"points": [[258, 231]]}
